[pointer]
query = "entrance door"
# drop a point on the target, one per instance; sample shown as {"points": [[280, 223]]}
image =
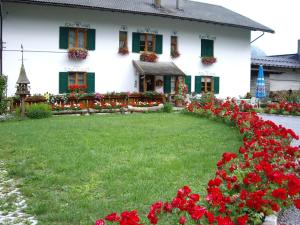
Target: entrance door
{"points": [[147, 83]]}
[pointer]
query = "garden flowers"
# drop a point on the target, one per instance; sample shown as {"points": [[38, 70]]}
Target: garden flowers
{"points": [[260, 178]]}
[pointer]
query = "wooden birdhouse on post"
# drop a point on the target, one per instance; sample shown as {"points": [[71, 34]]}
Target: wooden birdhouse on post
{"points": [[22, 86]]}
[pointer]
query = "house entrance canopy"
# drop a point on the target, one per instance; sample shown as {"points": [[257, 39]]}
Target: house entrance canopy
{"points": [[157, 68]]}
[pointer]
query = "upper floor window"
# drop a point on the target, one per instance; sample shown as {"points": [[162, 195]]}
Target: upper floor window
{"points": [[122, 39], [207, 48], [77, 38], [147, 42], [174, 47]]}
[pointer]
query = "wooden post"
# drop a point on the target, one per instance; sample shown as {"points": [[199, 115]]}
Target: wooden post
{"points": [[145, 84], [22, 106]]}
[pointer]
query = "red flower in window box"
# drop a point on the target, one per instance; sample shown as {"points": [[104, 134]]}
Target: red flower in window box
{"points": [[148, 57], [76, 87], [123, 51], [208, 60], [77, 53], [175, 54]]}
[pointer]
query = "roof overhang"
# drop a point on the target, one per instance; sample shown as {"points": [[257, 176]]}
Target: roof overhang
{"points": [[157, 68], [73, 5]]}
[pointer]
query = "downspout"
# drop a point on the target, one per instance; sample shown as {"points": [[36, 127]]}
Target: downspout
{"points": [[1, 40], [258, 38]]}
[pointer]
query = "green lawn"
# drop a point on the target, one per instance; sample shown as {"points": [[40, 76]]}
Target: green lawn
{"points": [[77, 169]]}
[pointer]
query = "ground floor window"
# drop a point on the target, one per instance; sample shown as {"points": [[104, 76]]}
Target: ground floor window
{"points": [[76, 81], [204, 84]]}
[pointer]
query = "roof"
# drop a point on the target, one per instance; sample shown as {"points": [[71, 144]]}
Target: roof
{"points": [[281, 61], [191, 10], [22, 76], [157, 68]]}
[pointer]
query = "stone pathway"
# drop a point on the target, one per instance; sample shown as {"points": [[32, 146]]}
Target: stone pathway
{"points": [[12, 203]]}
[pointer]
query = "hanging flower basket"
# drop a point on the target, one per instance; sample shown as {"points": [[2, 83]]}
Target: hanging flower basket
{"points": [[77, 88], [208, 60], [148, 57], [123, 51], [175, 54], [77, 53]]}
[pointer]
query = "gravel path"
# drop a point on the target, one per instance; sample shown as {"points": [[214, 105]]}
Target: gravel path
{"points": [[290, 216], [12, 203]]}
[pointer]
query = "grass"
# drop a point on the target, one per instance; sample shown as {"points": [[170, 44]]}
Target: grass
{"points": [[77, 169]]}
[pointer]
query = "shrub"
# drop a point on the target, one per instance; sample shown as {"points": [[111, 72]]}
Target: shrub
{"points": [[3, 104], [168, 108], [38, 111]]}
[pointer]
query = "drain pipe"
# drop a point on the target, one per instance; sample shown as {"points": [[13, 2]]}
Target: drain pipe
{"points": [[258, 38], [1, 40]]}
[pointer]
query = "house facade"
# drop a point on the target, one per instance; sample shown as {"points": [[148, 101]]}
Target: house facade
{"points": [[107, 39], [281, 72]]}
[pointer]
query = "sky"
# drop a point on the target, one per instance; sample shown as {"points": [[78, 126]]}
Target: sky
{"points": [[283, 16]]}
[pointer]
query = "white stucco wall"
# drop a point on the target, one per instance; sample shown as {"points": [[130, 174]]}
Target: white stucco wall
{"points": [[37, 28]]}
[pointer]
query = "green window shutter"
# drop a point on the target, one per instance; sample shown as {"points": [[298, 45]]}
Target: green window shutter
{"points": [[188, 80], [167, 84], [136, 42], [91, 39], [207, 47], [198, 84], [91, 82], [64, 37], [63, 82], [216, 85], [159, 44]]}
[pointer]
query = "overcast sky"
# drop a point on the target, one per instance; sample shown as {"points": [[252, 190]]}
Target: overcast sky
{"points": [[283, 16]]}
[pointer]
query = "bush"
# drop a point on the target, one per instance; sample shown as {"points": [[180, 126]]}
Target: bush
{"points": [[3, 104], [168, 107], [38, 111]]}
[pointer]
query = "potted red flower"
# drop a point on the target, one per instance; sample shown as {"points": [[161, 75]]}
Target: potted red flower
{"points": [[148, 57], [208, 60], [77, 53], [123, 51]]}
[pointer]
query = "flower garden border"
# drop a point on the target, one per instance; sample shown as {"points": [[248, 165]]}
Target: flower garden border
{"points": [[248, 187]]}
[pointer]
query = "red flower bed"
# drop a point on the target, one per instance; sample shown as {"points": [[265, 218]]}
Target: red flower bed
{"points": [[283, 108], [261, 178]]}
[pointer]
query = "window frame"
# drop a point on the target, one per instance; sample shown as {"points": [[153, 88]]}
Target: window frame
{"points": [[125, 41], [77, 78], [206, 86], [213, 48], [77, 30], [176, 44], [146, 42]]}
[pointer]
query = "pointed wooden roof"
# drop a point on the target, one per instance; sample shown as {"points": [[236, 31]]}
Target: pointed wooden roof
{"points": [[22, 76]]}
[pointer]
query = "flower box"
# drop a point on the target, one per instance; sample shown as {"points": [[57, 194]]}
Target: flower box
{"points": [[148, 57], [209, 60], [77, 53], [175, 54], [123, 51]]}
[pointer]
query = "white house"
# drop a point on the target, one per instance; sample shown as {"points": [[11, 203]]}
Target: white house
{"points": [[49, 28]]}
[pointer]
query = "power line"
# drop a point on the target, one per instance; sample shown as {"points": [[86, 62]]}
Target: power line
{"points": [[35, 51]]}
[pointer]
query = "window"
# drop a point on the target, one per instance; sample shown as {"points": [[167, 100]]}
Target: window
{"points": [[147, 42], [123, 39], [206, 84], [207, 48], [77, 38], [174, 47], [77, 79]]}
